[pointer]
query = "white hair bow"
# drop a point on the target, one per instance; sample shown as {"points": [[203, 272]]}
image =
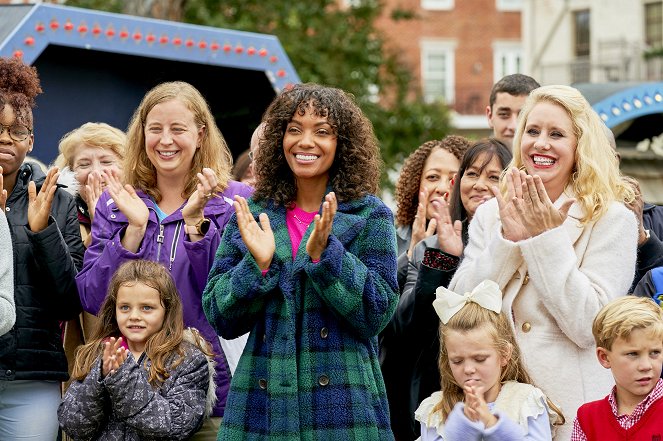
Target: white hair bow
{"points": [[447, 303]]}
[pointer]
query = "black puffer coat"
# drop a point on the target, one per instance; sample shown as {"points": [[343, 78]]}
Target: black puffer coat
{"points": [[45, 266]]}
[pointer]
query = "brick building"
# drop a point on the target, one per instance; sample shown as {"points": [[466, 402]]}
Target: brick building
{"points": [[457, 49]]}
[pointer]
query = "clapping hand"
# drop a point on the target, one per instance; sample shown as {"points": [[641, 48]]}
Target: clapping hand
{"points": [[131, 205], [92, 192], [114, 354], [259, 239], [527, 211], [193, 211], [419, 229], [476, 408], [39, 204], [449, 234], [317, 241]]}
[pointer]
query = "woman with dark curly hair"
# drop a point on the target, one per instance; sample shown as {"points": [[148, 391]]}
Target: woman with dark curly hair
{"points": [[308, 266], [427, 174], [48, 251]]}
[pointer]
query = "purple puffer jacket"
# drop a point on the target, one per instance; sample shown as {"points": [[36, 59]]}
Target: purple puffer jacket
{"points": [[188, 262]]}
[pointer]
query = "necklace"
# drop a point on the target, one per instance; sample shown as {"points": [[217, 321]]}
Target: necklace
{"points": [[299, 220]]}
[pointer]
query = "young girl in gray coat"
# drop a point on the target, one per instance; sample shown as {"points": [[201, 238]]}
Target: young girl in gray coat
{"points": [[142, 376]]}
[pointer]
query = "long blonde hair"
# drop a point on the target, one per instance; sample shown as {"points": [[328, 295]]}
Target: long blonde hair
{"points": [[473, 316], [596, 180], [164, 348], [213, 152]]}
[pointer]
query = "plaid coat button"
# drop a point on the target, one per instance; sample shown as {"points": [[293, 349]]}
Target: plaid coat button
{"points": [[323, 380], [324, 332], [262, 383]]}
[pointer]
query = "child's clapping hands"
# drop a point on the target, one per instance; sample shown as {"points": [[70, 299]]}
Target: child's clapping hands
{"points": [[476, 408], [113, 356]]}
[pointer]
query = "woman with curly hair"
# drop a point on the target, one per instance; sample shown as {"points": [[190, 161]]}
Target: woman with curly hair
{"points": [[48, 252], [172, 207], [559, 242], [427, 174], [308, 266]]}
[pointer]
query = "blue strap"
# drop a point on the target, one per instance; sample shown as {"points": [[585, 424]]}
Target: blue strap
{"points": [[657, 279]]}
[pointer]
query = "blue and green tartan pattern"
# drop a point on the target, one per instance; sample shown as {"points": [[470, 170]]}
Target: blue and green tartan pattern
{"points": [[310, 368]]}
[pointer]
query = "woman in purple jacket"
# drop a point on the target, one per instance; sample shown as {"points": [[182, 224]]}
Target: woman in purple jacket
{"points": [[176, 199]]}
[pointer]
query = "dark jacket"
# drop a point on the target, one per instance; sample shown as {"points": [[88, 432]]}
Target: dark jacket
{"points": [[650, 253], [45, 265], [410, 344], [124, 406]]}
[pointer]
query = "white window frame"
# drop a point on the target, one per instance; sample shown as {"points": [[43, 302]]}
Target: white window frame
{"points": [[448, 49], [437, 5], [514, 53], [509, 5]]}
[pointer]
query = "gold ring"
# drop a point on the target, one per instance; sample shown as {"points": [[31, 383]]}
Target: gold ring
{"points": [[208, 195]]}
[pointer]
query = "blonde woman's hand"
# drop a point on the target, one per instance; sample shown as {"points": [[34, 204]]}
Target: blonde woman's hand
{"points": [[317, 241], [536, 210], [132, 206], [39, 204], [512, 226], [449, 234], [419, 229], [206, 189], [92, 192], [637, 207], [258, 238]]}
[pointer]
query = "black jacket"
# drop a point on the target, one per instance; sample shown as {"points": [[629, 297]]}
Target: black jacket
{"points": [[45, 266], [410, 345], [650, 253]]}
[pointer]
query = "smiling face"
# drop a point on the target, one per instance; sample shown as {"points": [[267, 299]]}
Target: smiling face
{"points": [[636, 364], [474, 360], [309, 146], [139, 314], [503, 116], [89, 159], [439, 169], [476, 182], [171, 138], [548, 146], [12, 153]]}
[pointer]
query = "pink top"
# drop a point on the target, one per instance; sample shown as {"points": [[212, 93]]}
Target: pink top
{"points": [[297, 221]]}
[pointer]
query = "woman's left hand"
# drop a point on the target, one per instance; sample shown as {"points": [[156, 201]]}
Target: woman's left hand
{"points": [[39, 205], [536, 210], [193, 211], [92, 192], [317, 241]]}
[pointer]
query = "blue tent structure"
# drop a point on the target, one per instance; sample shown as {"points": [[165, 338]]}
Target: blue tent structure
{"points": [[96, 66]]}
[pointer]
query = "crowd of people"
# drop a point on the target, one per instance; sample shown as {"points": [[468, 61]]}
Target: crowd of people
{"points": [[151, 290]]}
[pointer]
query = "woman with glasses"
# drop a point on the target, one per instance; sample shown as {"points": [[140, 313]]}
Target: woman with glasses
{"points": [[47, 254]]}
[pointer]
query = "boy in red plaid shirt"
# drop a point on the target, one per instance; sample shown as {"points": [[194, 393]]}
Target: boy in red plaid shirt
{"points": [[629, 339]]}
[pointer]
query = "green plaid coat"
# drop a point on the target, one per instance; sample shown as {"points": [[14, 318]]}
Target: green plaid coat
{"points": [[310, 368]]}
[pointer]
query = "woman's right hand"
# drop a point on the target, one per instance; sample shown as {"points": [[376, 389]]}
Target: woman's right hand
{"points": [[259, 239], [92, 192], [131, 206], [419, 229], [513, 228], [449, 233]]}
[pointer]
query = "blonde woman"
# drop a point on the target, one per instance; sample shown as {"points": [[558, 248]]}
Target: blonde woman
{"points": [[172, 207], [559, 242]]}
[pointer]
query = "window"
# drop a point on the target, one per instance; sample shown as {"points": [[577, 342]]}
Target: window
{"points": [[509, 5], [440, 5], [507, 59], [582, 43], [654, 24], [437, 70]]}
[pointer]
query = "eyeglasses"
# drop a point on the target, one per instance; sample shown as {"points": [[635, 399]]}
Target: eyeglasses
{"points": [[17, 132]]}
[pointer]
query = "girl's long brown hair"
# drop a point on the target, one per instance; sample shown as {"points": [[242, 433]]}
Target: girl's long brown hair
{"points": [[473, 316], [164, 348]]}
